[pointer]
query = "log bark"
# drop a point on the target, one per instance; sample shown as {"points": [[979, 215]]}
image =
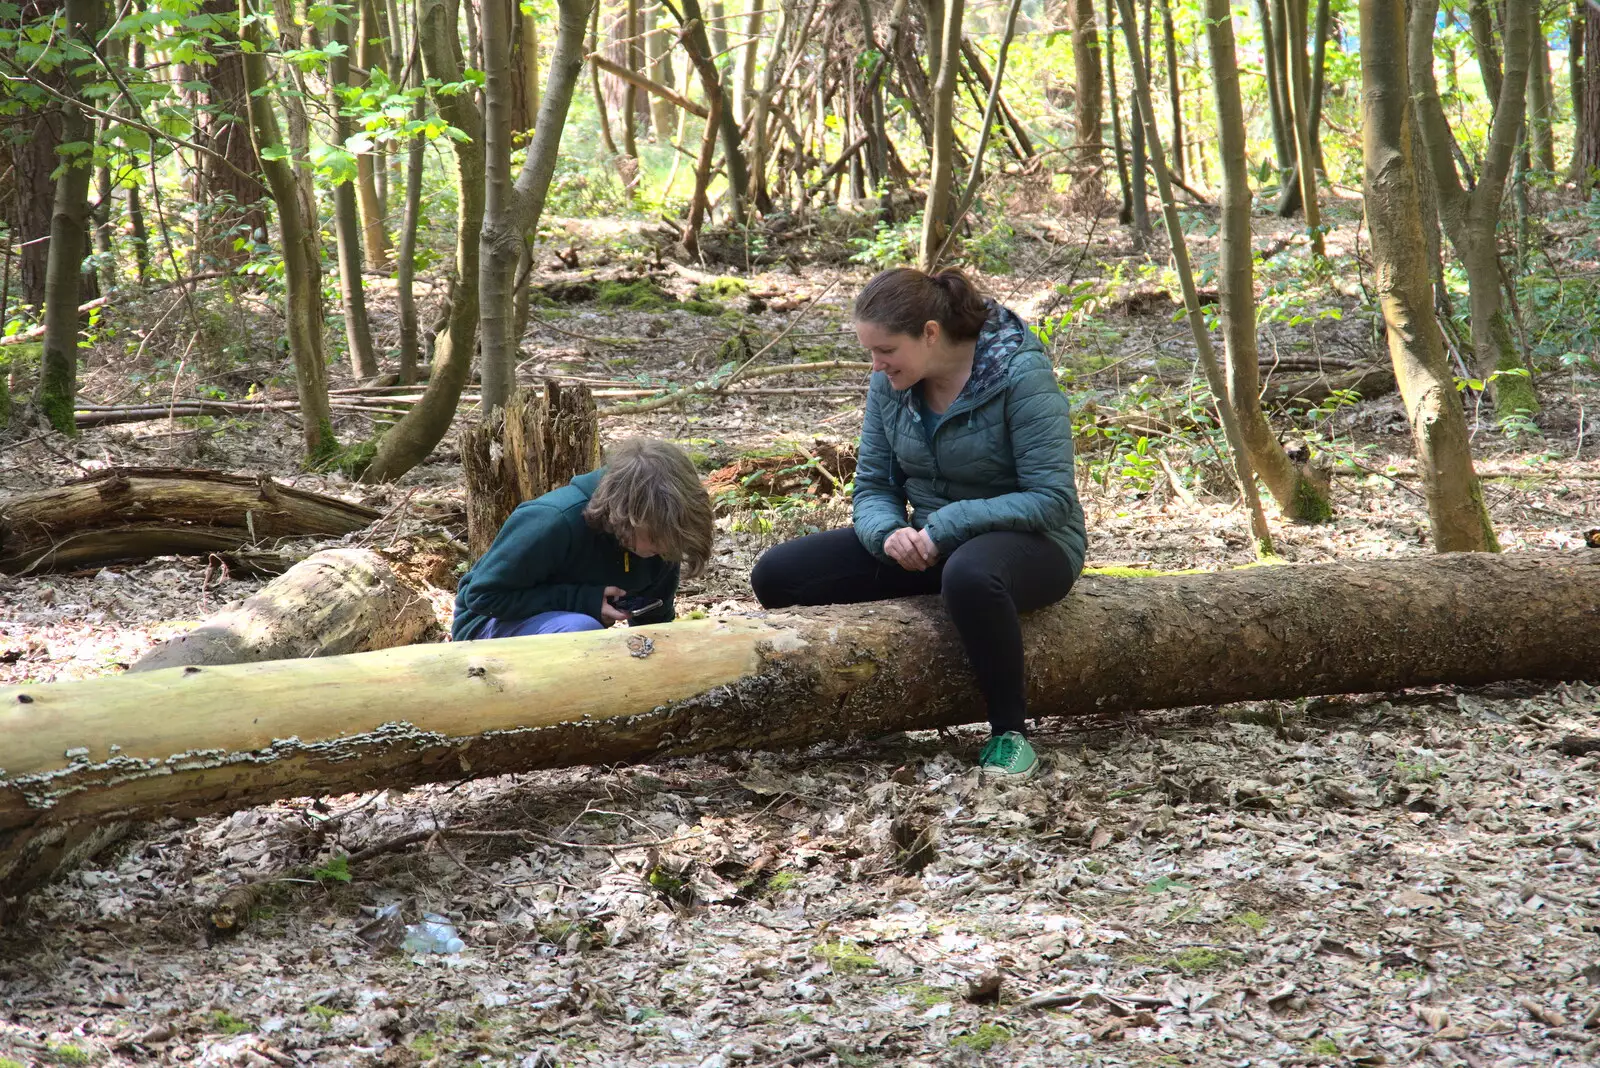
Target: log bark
{"points": [[151, 745], [337, 601], [133, 513]]}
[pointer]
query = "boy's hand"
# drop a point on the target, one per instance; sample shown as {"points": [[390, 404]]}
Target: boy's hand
{"points": [[610, 613]]}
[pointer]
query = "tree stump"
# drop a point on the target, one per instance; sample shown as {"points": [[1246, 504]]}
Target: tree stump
{"points": [[536, 444]]}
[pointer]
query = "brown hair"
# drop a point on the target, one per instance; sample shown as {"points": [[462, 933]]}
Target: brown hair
{"points": [[652, 486], [903, 300]]}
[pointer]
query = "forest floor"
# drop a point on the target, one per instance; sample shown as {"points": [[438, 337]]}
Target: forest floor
{"points": [[1343, 880]]}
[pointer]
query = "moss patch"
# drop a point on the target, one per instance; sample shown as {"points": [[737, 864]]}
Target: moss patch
{"points": [[722, 288], [1197, 960], [641, 295], [65, 1053], [846, 958], [984, 1039]]}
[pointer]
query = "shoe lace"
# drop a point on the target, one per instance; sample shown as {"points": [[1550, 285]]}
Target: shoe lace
{"points": [[1003, 749]]}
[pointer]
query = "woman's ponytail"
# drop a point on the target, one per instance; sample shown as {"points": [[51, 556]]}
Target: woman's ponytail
{"points": [[905, 299]]}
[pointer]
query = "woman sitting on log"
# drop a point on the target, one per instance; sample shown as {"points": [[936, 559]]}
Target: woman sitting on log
{"points": [[965, 422], [608, 546]]}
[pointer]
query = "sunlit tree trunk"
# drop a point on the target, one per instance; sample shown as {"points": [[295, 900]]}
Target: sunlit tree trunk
{"points": [[700, 53], [511, 211], [658, 48], [935, 220], [1300, 496], [1540, 105], [302, 266], [405, 279], [1088, 184], [1470, 218], [1125, 215], [1586, 159], [1191, 298], [1169, 40], [1456, 511], [409, 441], [346, 217], [1278, 106], [369, 49], [1305, 154]]}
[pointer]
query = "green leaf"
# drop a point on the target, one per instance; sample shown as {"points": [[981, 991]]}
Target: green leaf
{"points": [[275, 152]]}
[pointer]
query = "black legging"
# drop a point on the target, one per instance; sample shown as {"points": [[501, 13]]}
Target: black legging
{"points": [[985, 583]]}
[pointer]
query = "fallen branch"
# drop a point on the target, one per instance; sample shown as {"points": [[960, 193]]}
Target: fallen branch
{"points": [[136, 513]]}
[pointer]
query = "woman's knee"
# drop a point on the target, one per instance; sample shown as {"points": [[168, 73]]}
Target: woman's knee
{"points": [[967, 580], [772, 579]]}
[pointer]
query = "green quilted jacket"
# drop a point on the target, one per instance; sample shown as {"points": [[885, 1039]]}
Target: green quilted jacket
{"points": [[1001, 459]]}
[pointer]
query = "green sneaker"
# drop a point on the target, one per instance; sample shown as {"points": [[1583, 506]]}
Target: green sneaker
{"points": [[1007, 757]]}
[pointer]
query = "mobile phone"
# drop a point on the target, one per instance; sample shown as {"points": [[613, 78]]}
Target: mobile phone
{"points": [[636, 604]]}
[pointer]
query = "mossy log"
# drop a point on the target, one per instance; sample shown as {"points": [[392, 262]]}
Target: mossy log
{"points": [[192, 741], [135, 513]]}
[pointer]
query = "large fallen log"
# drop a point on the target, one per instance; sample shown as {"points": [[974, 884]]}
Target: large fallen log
{"points": [[132, 513], [192, 741]]}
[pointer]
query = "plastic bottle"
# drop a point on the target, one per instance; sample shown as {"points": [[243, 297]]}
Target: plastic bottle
{"points": [[435, 934]]}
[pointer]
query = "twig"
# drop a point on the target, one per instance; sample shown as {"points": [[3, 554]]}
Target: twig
{"points": [[403, 841], [810, 1053]]}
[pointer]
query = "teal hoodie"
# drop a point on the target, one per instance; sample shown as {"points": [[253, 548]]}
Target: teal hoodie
{"points": [[547, 558], [999, 459]]}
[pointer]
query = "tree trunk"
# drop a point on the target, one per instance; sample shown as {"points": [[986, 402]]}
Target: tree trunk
{"points": [[700, 53], [1278, 105], [1088, 186], [1140, 162], [335, 602], [602, 112], [228, 195], [744, 79], [633, 60], [539, 442], [1470, 219], [405, 279], [1456, 508], [1481, 19], [1584, 118], [408, 442], [57, 387], [1169, 40], [935, 219], [137, 513], [293, 16], [1587, 158], [346, 217], [1305, 154], [511, 212], [31, 148], [302, 265], [1191, 298], [1300, 493], [658, 48], [370, 48], [1539, 104], [1125, 216], [152, 746], [975, 173], [1319, 75]]}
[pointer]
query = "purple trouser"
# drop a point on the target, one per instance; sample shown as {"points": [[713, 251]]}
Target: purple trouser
{"points": [[543, 623]]}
